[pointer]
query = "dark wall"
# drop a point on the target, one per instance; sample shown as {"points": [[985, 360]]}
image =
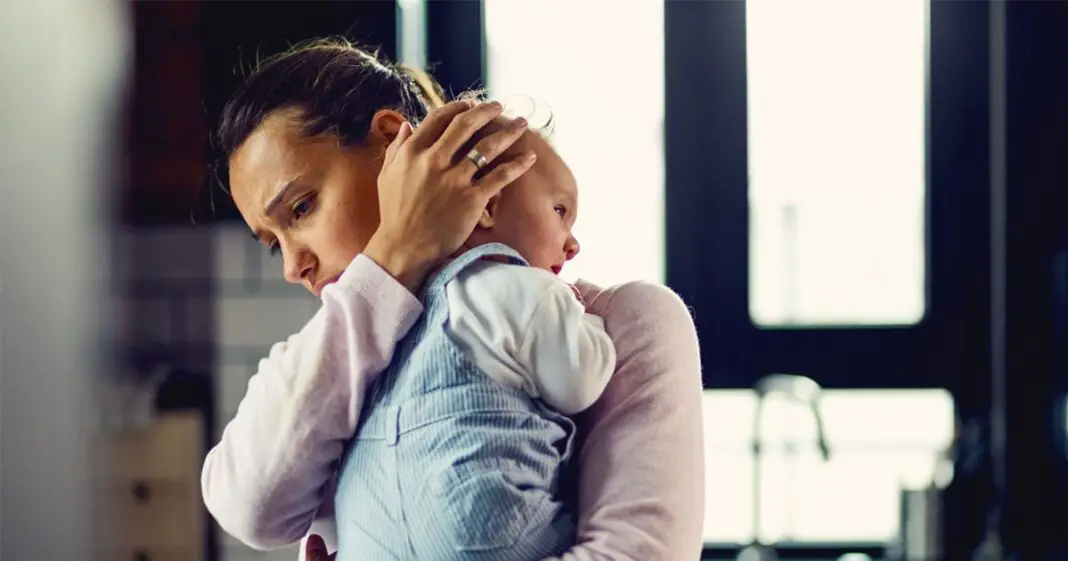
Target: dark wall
{"points": [[189, 57], [1036, 227], [165, 124], [237, 34]]}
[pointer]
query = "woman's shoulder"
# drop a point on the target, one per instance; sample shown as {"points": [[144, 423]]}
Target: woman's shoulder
{"points": [[644, 301], [655, 338]]}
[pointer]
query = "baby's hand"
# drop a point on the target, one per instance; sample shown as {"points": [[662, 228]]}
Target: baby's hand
{"points": [[578, 295]]}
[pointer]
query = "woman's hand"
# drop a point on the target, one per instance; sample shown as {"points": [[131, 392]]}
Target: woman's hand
{"points": [[431, 194], [315, 550]]}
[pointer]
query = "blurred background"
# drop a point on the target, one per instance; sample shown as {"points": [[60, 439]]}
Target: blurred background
{"points": [[863, 199]]}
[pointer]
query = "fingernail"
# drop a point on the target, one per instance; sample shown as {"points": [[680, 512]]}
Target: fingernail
{"points": [[495, 105], [520, 123], [530, 157]]}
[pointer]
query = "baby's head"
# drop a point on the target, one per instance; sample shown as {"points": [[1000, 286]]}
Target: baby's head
{"points": [[533, 215]]}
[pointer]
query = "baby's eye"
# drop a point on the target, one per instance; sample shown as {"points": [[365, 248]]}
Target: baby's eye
{"points": [[561, 210]]}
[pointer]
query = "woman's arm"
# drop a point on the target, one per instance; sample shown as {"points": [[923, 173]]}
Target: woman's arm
{"points": [[265, 479], [641, 482]]}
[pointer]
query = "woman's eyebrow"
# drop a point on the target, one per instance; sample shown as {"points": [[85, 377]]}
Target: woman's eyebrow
{"points": [[279, 197]]}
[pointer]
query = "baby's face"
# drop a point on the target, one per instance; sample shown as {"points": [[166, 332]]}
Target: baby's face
{"points": [[535, 214]]}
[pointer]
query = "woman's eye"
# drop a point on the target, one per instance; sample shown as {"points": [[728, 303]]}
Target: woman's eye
{"points": [[561, 210], [302, 208], [273, 249]]}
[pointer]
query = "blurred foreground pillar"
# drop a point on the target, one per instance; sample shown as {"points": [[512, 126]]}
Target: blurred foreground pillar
{"points": [[62, 75]]}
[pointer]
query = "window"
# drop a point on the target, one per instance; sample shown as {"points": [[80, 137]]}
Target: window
{"points": [[837, 123], [606, 95], [411, 31], [880, 441]]}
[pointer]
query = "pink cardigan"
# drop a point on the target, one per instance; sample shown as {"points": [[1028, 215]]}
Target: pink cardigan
{"points": [[641, 491]]}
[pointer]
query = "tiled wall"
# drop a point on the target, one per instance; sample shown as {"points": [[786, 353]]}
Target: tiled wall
{"points": [[210, 300]]}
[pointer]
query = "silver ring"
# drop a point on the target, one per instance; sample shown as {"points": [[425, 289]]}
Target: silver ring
{"points": [[479, 160]]}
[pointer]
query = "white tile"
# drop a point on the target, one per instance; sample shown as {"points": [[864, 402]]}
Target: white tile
{"points": [[239, 257], [146, 321], [198, 323], [270, 267], [222, 419], [259, 322], [232, 245], [231, 382], [170, 253]]}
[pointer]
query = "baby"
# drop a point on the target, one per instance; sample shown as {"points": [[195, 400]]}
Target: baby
{"points": [[463, 439]]}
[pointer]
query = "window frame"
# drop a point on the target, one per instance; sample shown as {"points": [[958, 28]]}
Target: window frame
{"points": [[708, 215]]}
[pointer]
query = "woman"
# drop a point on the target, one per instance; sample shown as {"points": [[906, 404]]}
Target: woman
{"points": [[326, 171]]}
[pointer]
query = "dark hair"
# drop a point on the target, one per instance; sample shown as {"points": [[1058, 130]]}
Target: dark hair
{"points": [[336, 86]]}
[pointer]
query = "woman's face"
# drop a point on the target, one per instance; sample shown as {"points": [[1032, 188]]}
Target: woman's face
{"points": [[309, 200]]}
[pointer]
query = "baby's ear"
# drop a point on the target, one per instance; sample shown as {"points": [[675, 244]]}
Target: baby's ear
{"points": [[489, 213]]}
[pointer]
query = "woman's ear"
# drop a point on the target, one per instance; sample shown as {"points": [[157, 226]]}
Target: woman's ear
{"points": [[490, 212], [385, 124]]}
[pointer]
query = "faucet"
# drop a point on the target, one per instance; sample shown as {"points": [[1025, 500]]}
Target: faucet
{"points": [[798, 388]]}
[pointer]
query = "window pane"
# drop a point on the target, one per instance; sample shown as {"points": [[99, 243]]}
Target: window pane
{"points": [[837, 113], [880, 440], [606, 95]]}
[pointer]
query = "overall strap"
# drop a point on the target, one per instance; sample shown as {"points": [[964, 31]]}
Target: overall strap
{"points": [[454, 267]]}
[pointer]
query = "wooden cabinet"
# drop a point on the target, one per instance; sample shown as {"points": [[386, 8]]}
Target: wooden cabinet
{"points": [[153, 491]]}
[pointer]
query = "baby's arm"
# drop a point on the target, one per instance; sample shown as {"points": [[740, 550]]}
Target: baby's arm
{"points": [[265, 479], [566, 350], [526, 326]]}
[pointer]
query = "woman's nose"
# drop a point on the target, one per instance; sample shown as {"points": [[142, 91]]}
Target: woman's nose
{"points": [[298, 264]]}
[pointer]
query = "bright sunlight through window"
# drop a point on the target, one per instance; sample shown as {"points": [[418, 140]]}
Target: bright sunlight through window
{"points": [[606, 95], [837, 113], [881, 441]]}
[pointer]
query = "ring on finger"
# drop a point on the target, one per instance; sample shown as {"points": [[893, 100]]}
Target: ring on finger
{"points": [[477, 158]]}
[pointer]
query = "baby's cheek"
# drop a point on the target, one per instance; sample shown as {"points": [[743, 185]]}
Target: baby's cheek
{"points": [[515, 239]]}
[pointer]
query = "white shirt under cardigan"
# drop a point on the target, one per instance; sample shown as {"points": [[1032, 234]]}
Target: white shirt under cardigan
{"points": [[527, 328]]}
